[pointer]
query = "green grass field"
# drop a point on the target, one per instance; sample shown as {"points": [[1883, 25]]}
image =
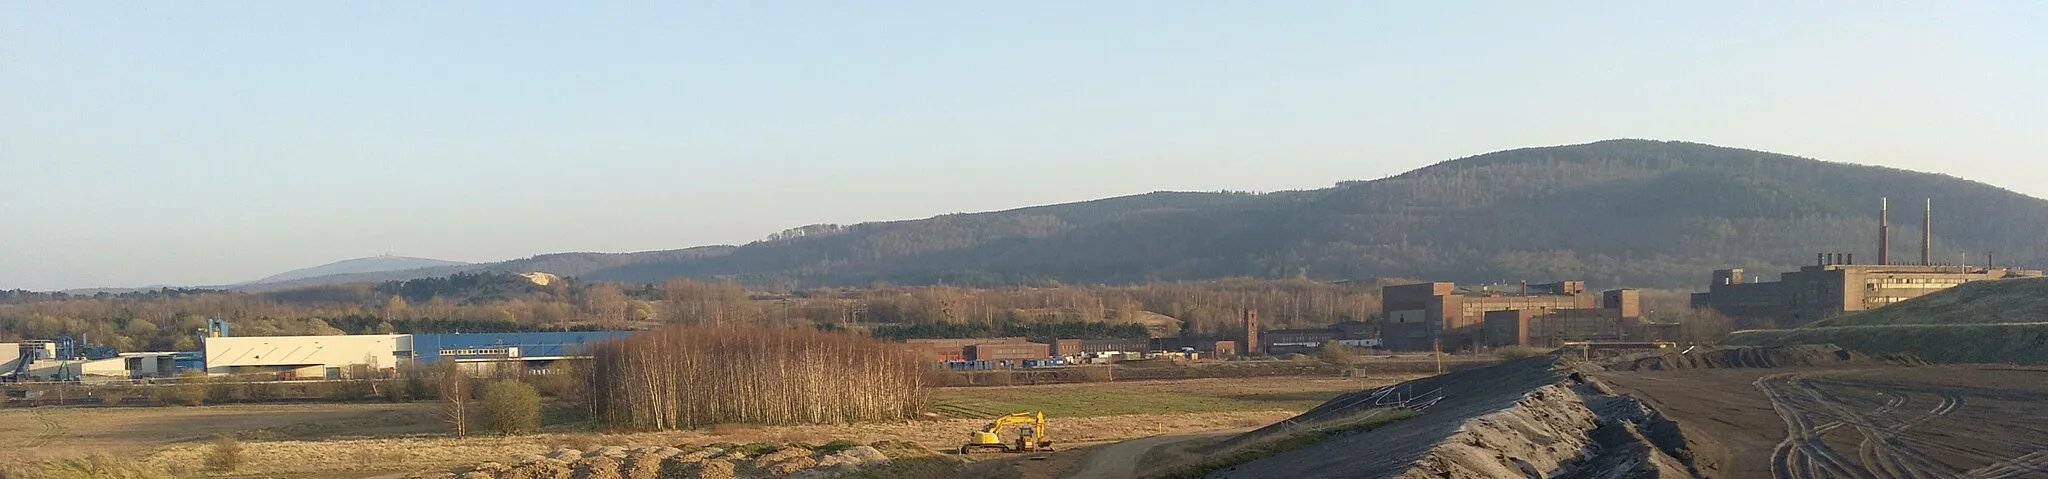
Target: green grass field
{"points": [[1149, 397]]}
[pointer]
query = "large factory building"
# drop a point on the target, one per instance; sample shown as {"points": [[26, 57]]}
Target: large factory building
{"points": [[1836, 284], [1426, 316], [336, 357], [305, 357]]}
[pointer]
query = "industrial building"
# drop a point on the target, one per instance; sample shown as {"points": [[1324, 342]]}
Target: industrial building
{"points": [[44, 360], [305, 357], [1255, 341], [294, 357], [1202, 344], [1836, 284], [951, 349], [336, 357], [1441, 315]]}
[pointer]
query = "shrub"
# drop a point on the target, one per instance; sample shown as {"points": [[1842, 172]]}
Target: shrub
{"points": [[584, 442], [114, 396], [354, 390], [222, 390], [97, 466], [835, 446], [757, 448], [418, 381], [225, 455], [393, 390], [1339, 353], [260, 391], [190, 390], [564, 384], [1518, 352], [510, 407]]}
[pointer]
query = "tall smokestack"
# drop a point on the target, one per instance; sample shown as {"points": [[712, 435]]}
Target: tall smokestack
{"points": [[1884, 231], [1927, 235]]}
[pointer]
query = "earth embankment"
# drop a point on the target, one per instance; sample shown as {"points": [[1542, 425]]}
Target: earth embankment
{"points": [[1799, 355], [2017, 343], [1534, 417]]}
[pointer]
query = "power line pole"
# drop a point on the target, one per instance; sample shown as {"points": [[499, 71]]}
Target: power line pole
{"points": [[1437, 348]]}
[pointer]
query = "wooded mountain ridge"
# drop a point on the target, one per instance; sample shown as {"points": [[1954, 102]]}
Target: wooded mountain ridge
{"points": [[1619, 212]]}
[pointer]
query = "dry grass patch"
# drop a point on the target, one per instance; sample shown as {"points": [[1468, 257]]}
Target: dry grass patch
{"points": [[1152, 397], [410, 454]]}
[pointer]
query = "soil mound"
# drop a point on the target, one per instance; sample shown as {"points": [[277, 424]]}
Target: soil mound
{"points": [[1938, 343], [1754, 357], [789, 461]]}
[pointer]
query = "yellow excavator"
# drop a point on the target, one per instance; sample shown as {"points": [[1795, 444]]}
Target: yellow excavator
{"points": [[1031, 435]]}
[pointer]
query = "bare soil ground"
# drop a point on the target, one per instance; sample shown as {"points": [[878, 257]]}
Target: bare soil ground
{"points": [[44, 433], [1928, 421], [1153, 397], [1524, 416], [341, 440]]}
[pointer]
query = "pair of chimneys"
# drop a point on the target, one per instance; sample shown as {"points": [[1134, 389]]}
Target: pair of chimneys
{"points": [[1884, 233]]}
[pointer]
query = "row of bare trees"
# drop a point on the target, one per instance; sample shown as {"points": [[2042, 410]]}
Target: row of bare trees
{"points": [[687, 376]]}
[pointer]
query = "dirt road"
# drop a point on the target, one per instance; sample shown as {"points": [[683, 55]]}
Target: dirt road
{"points": [[1120, 460], [1947, 421]]}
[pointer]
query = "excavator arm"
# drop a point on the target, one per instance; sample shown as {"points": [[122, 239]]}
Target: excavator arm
{"points": [[1034, 419], [1032, 438]]}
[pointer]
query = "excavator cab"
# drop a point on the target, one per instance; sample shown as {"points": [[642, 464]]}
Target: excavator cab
{"points": [[1031, 435]]}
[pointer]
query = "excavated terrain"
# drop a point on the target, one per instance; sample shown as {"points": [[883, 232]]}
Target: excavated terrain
{"points": [[1803, 355], [1969, 421], [1810, 411], [1535, 417]]}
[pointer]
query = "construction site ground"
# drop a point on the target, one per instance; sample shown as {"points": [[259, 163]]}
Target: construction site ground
{"points": [[362, 440], [1971, 421], [1806, 411]]}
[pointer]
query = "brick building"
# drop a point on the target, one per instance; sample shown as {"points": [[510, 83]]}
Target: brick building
{"points": [[1424, 316]]}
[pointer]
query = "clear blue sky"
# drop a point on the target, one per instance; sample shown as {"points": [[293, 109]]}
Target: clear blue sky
{"points": [[211, 142]]}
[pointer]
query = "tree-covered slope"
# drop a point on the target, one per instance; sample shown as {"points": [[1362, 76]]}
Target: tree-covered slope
{"points": [[374, 264], [1619, 212], [1633, 212], [563, 264]]}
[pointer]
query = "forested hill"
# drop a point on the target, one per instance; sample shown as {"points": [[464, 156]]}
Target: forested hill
{"points": [[374, 264], [1620, 212], [563, 264]]}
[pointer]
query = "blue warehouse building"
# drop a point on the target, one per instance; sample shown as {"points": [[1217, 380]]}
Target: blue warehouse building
{"points": [[532, 347]]}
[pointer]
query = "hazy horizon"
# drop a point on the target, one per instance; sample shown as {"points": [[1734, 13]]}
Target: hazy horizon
{"points": [[204, 144]]}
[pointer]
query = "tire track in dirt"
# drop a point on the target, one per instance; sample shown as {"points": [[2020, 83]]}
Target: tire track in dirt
{"points": [[1802, 454], [2015, 467], [51, 429], [1913, 462], [1879, 452]]}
